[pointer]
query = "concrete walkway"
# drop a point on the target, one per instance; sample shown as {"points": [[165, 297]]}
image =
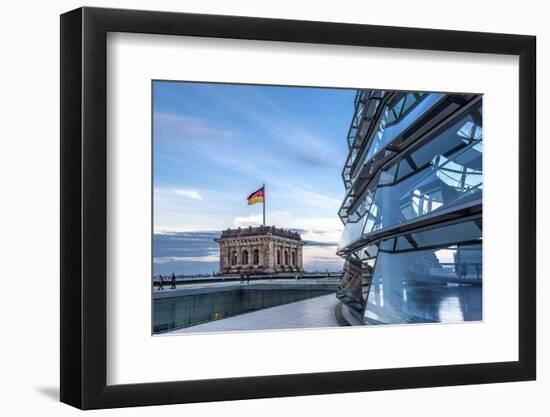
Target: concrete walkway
{"points": [[314, 312]]}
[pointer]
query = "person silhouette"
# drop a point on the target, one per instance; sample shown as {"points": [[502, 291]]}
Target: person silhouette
{"points": [[173, 286]]}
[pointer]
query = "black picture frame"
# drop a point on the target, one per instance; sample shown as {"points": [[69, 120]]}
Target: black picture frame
{"points": [[84, 207]]}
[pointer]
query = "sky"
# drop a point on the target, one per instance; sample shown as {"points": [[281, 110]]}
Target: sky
{"points": [[214, 144]]}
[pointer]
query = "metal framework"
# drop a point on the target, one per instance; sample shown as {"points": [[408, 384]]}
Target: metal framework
{"points": [[414, 167]]}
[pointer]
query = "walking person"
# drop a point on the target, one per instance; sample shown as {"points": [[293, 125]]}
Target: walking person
{"points": [[161, 283], [173, 286]]}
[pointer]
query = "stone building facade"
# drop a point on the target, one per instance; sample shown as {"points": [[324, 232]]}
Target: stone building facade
{"points": [[263, 249]]}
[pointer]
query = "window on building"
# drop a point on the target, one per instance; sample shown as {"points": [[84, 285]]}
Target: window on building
{"points": [[286, 257], [278, 257], [234, 258], [245, 257], [256, 257], [293, 258]]}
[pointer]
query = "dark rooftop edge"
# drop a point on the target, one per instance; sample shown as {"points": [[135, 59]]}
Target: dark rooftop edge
{"points": [[260, 230]]}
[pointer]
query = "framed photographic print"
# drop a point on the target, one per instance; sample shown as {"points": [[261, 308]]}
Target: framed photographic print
{"points": [[258, 207]]}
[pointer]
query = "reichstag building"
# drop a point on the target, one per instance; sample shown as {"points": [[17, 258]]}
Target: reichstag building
{"points": [[412, 212]]}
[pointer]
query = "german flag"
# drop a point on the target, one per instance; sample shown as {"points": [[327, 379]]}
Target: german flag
{"points": [[256, 197]]}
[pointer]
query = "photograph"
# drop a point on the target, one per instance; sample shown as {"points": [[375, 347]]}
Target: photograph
{"points": [[297, 207]]}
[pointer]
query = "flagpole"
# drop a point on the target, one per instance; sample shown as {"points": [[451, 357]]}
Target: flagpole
{"points": [[263, 186]]}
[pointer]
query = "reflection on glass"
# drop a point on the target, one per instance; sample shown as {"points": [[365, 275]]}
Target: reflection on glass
{"points": [[352, 231], [351, 284], [398, 115], [411, 214], [444, 172], [419, 280], [366, 106]]}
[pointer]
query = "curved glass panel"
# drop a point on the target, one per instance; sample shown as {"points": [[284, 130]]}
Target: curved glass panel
{"points": [[366, 105], [361, 207], [352, 231], [399, 115], [432, 282], [449, 175]]}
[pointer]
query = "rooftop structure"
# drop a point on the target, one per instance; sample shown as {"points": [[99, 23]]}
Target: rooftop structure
{"points": [[260, 250]]}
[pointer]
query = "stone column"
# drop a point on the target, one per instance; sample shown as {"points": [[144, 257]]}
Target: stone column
{"points": [[284, 255], [223, 256], [238, 249], [269, 255], [279, 259], [248, 249], [260, 264], [290, 249], [233, 248], [243, 247], [274, 256], [230, 249], [300, 257]]}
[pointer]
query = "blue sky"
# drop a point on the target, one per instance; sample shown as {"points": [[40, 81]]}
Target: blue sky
{"points": [[214, 144]]}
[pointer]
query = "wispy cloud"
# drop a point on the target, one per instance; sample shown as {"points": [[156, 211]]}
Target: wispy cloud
{"points": [[212, 257], [176, 126], [318, 258], [314, 229], [314, 243], [245, 221], [295, 189], [302, 144], [195, 195], [185, 192]]}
